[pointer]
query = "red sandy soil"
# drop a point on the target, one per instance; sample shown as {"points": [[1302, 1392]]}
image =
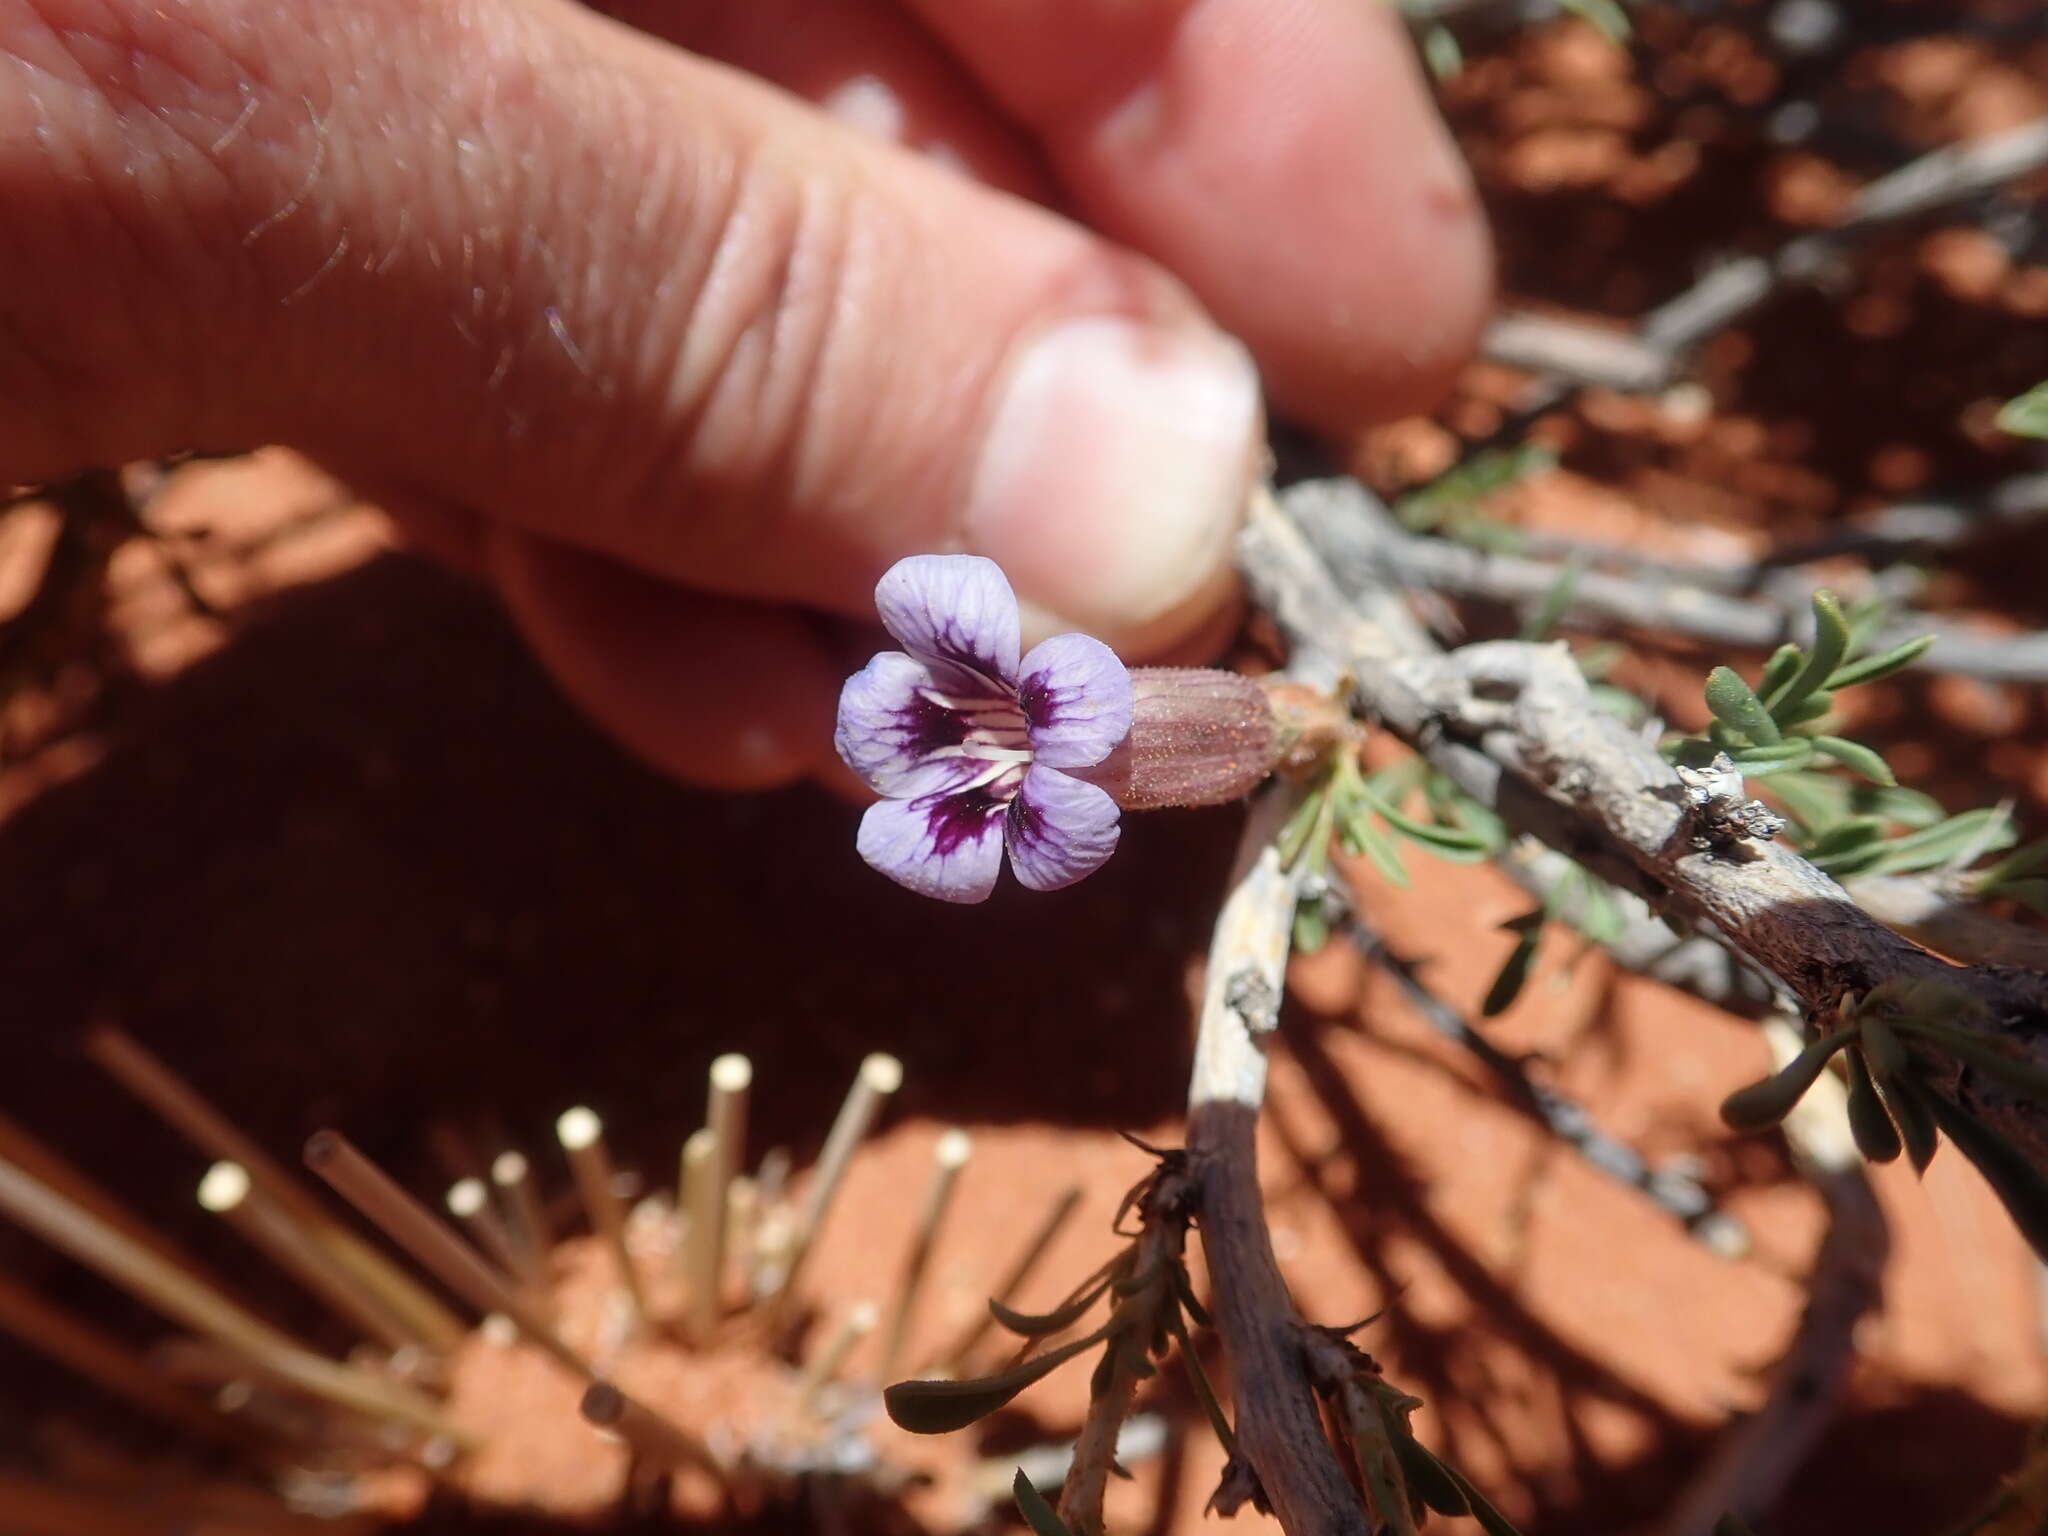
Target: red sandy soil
{"points": [[349, 861]]}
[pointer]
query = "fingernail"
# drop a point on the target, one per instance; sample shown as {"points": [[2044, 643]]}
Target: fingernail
{"points": [[1116, 467]]}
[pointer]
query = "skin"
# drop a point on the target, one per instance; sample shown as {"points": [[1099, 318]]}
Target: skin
{"points": [[679, 323]]}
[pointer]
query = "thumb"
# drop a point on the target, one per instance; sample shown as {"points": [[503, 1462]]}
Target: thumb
{"points": [[515, 258]]}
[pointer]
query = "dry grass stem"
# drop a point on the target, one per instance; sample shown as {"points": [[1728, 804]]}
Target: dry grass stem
{"points": [[581, 1134], [702, 1192], [949, 1156], [143, 1075], [228, 1192], [879, 1076], [177, 1295], [437, 1249]]}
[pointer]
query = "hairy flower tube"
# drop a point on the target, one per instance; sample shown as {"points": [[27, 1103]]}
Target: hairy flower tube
{"points": [[973, 749]]}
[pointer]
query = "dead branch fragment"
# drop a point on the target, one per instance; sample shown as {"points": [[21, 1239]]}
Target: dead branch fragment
{"points": [[1514, 725]]}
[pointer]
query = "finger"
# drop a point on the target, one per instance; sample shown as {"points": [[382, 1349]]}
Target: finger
{"points": [[1282, 156], [722, 692], [865, 62], [537, 264]]}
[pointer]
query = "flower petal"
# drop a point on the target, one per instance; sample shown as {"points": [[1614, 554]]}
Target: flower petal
{"points": [[946, 845], [953, 611], [1076, 698], [888, 730], [1060, 829]]}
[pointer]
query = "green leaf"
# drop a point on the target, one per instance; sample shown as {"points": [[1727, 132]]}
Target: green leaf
{"points": [[2027, 416], [1808, 710], [1778, 671], [1732, 1524], [1851, 861], [1452, 842], [1600, 916], [1869, 1121], [1514, 972], [2016, 1182], [1857, 758], [1295, 834], [1908, 807], [1607, 15], [1961, 837], [1779, 754], [1735, 706], [1763, 1104], [2030, 860], [1453, 807], [1036, 1325], [1429, 1479], [940, 1407], [1830, 645], [1038, 1514], [1360, 833], [1871, 668], [1846, 836], [1908, 1105], [1311, 926]]}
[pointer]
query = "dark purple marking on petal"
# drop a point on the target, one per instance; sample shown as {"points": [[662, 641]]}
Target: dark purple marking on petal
{"points": [[889, 727], [1059, 829], [945, 846], [1076, 699], [954, 611]]}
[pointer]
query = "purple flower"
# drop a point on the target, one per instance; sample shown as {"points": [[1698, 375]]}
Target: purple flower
{"points": [[971, 748]]}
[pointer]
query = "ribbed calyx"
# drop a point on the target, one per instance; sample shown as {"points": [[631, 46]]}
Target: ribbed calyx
{"points": [[1205, 737]]}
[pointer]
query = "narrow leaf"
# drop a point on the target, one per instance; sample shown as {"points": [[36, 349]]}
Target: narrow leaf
{"points": [[1884, 664], [1732, 702], [940, 1407], [1762, 1105], [1778, 671], [1429, 1478], [1869, 1121], [1038, 1514], [1514, 975], [1781, 755], [1447, 840], [1311, 926], [1857, 758], [1361, 833], [1908, 1104], [1830, 645], [1846, 836], [2030, 860], [1968, 834], [1808, 709], [1036, 1325]]}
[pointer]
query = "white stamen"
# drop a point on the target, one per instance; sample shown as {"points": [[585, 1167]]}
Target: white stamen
{"points": [[983, 752], [968, 706]]}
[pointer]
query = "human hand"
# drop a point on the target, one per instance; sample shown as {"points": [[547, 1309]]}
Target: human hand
{"points": [[682, 360]]}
